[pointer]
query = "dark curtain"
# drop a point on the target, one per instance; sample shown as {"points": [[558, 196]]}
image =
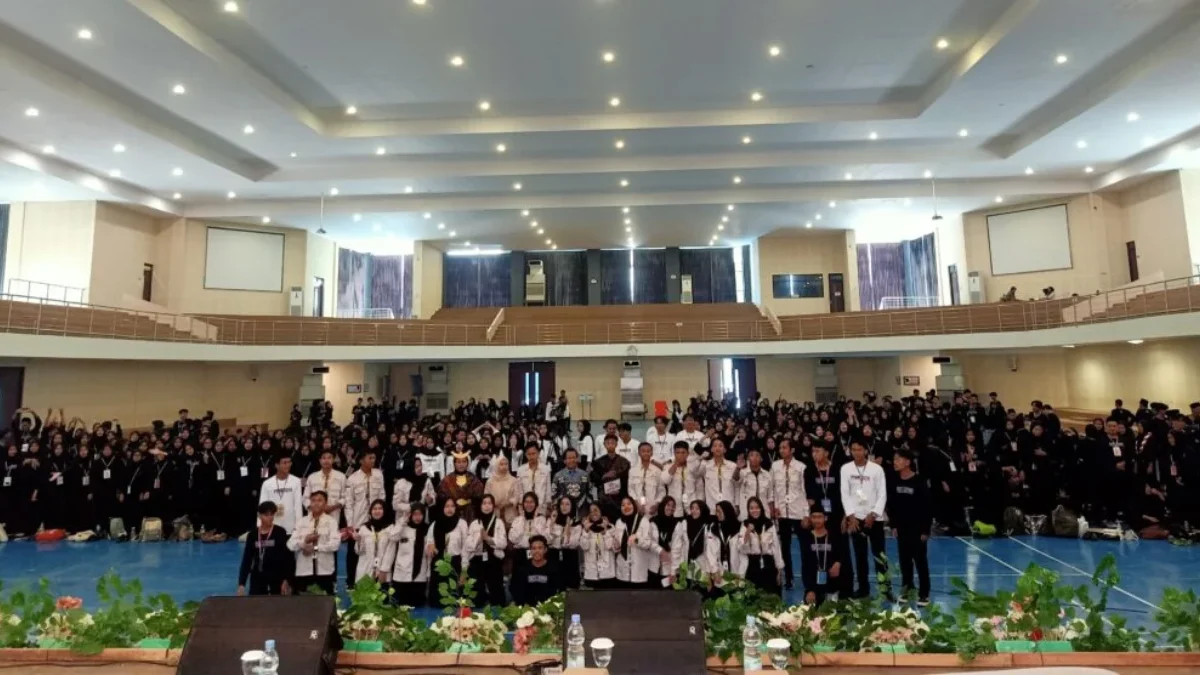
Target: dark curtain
{"points": [[745, 275], [3, 241], [920, 270], [880, 274], [566, 276], [614, 277], [477, 281], [649, 276], [746, 372], [391, 284], [713, 274], [352, 284]]}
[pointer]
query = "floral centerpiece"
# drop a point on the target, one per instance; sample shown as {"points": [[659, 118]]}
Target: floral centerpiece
{"points": [[1016, 625], [894, 630], [804, 628], [472, 632], [535, 632], [67, 621]]}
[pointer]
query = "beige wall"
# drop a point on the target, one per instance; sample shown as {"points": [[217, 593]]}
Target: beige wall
{"points": [[51, 243], [137, 393], [483, 380], [125, 240], [427, 280], [320, 261], [805, 253], [784, 377], [1039, 375], [1155, 219], [1190, 185], [1160, 370]]}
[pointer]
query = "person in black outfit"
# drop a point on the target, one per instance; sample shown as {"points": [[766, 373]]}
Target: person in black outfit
{"points": [[825, 561], [266, 561], [911, 520], [537, 581]]}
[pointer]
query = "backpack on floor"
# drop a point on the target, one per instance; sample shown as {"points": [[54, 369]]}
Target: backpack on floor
{"points": [[116, 529], [1014, 521], [152, 529], [1064, 523], [3, 533], [183, 530]]}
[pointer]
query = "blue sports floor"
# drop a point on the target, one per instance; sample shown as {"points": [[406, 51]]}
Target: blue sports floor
{"points": [[192, 571]]}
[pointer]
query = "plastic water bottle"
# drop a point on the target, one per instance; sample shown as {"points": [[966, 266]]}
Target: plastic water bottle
{"points": [[270, 660], [575, 640], [751, 640]]}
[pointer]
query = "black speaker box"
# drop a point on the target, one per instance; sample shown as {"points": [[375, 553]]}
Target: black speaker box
{"points": [[654, 632], [304, 629]]}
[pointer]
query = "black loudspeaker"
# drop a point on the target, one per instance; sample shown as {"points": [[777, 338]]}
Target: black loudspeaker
{"points": [[304, 629], [655, 632]]}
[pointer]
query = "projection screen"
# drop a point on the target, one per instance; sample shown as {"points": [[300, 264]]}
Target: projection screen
{"points": [[243, 260], [1035, 240]]}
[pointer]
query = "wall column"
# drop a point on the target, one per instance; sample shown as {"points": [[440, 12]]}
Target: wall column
{"points": [[517, 290], [674, 283], [593, 276]]}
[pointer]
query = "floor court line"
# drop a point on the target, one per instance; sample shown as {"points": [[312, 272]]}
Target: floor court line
{"points": [[1073, 567], [990, 555]]}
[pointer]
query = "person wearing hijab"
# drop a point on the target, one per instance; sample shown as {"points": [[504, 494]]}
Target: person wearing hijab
{"points": [[193, 482], [504, 489], [633, 536], [408, 558], [105, 477], [566, 534], [52, 489], [447, 539], [761, 549], [598, 546], [660, 561], [414, 487], [81, 493], [691, 540], [18, 483], [527, 524], [371, 542], [486, 541], [723, 547]]}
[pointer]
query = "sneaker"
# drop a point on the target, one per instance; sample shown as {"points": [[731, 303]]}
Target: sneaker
{"points": [[922, 602]]}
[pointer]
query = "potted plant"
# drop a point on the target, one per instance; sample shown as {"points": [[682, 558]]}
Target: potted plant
{"points": [[467, 631], [22, 613]]}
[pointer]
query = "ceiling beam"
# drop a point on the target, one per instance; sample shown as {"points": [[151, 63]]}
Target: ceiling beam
{"points": [[1154, 48], [450, 202], [1149, 159]]}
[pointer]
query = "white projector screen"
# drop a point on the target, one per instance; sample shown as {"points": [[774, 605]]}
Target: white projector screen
{"points": [[1036, 240], [242, 260]]}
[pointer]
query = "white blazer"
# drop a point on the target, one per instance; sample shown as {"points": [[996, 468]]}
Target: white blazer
{"points": [[361, 490], [712, 551], [766, 543], [653, 562], [537, 482], [761, 486], [333, 485], [400, 493], [372, 548], [679, 549], [474, 545], [523, 529], [646, 486], [634, 567], [686, 484], [321, 562], [599, 554], [400, 555], [456, 539]]}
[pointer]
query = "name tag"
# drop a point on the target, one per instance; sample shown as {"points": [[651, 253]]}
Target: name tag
{"points": [[827, 505], [157, 483], [8, 481], [57, 478], [1174, 470], [220, 475], [264, 473], [399, 465], [87, 480], [1116, 451], [822, 577], [129, 490], [971, 467], [1014, 446], [485, 555], [107, 475], [280, 511], [24, 447], [953, 468], [244, 471], [612, 487]]}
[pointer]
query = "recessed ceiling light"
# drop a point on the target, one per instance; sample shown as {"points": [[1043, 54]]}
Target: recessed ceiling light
{"points": [[629, 221], [541, 231], [231, 7], [517, 186], [548, 242], [457, 61], [1088, 169], [720, 228], [817, 217], [724, 219], [1029, 171], [408, 189], [48, 150], [808, 224], [351, 110], [231, 195], [774, 50], [500, 147], [177, 171], [629, 229], [485, 105], [608, 57], [32, 112], [737, 180], [1081, 144], [177, 196], [624, 182], [942, 43], [357, 217], [441, 226], [619, 144], [873, 136], [248, 129], [525, 213], [730, 207], [419, 3], [381, 150], [833, 205], [1135, 342], [848, 176], [553, 247], [1061, 59], [84, 34], [999, 199], [294, 155], [746, 140], [928, 173], [756, 96], [427, 215], [179, 90], [115, 173], [614, 101], [624, 209], [333, 192], [467, 243], [266, 220], [453, 234], [963, 133], [1132, 117], [533, 223], [119, 148]]}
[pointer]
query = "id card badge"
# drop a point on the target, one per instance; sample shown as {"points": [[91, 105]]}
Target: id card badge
{"points": [[244, 471], [953, 468], [157, 483], [1174, 471], [87, 480], [129, 490], [971, 467], [1116, 451], [220, 475], [822, 577], [399, 465], [264, 473], [827, 505], [762, 562], [8, 481], [485, 556], [529, 554], [58, 479], [107, 475], [279, 509]]}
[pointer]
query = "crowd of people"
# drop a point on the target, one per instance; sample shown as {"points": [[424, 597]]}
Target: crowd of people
{"points": [[718, 487]]}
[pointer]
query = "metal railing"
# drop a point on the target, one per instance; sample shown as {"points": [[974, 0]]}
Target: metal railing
{"points": [[19, 314], [383, 313], [906, 301], [36, 290]]}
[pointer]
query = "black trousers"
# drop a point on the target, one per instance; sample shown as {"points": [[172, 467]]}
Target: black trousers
{"points": [[789, 528], [261, 586], [325, 582], [489, 581], [351, 566], [913, 553], [859, 540], [410, 593]]}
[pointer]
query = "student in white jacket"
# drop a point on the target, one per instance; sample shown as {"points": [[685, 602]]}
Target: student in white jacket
{"points": [[633, 545], [864, 499], [409, 558], [660, 561], [682, 477], [598, 547], [661, 441], [724, 547], [328, 480], [645, 481], [486, 541], [527, 523], [316, 541], [371, 543], [534, 476], [363, 487], [566, 533], [414, 488], [447, 538], [691, 539], [760, 547], [719, 473]]}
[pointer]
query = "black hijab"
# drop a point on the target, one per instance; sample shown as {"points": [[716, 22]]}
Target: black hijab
{"points": [[382, 523], [632, 521], [696, 527], [419, 532], [726, 529], [489, 519], [444, 526], [665, 524], [565, 519], [761, 522], [528, 515]]}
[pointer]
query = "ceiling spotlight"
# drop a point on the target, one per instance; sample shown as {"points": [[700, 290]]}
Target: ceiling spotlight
{"points": [[452, 234], [629, 221], [737, 180], [624, 182], [1132, 117], [873, 136], [541, 231], [608, 57], [32, 112], [833, 205], [724, 219], [177, 171], [115, 173], [119, 148], [177, 196], [1135, 342], [629, 229], [441, 226], [746, 140], [614, 101], [1029, 171], [817, 217], [525, 213], [408, 189], [1088, 169], [333, 192], [730, 207], [294, 155], [517, 186], [48, 150], [756, 96], [419, 3], [1081, 144], [266, 220], [808, 224], [381, 150], [928, 173], [500, 147], [351, 110], [457, 61], [624, 209], [553, 247], [619, 144], [774, 50], [533, 223], [231, 7], [179, 90], [357, 217], [548, 242], [848, 176], [248, 129], [427, 215], [720, 228], [999, 199], [942, 43], [84, 34], [1060, 59], [485, 105], [231, 195], [963, 133]]}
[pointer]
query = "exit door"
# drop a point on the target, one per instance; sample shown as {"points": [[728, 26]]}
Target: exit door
{"points": [[837, 293], [1131, 253]]}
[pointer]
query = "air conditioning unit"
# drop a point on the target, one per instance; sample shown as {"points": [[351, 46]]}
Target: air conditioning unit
{"points": [[685, 289], [975, 288], [435, 380], [535, 283], [633, 404]]}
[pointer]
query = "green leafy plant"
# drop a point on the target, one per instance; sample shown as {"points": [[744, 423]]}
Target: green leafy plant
{"points": [[119, 622], [1178, 619], [22, 613], [457, 589], [168, 621], [1106, 633]]}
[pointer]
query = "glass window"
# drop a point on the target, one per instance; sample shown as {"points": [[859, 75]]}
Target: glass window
{"points": [[798, 285]]}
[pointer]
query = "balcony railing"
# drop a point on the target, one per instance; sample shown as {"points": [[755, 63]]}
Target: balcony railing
{"points": [[19, 314]]}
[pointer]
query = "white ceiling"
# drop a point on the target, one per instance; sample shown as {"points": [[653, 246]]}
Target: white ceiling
{"points": [[684, 71]]}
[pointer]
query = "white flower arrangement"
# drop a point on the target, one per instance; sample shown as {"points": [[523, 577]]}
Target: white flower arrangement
{"points": [[60, 626], [473, 629], [895, 627]]}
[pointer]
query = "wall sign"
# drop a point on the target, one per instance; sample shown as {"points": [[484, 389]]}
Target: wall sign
{"points": [[354, 389]]}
